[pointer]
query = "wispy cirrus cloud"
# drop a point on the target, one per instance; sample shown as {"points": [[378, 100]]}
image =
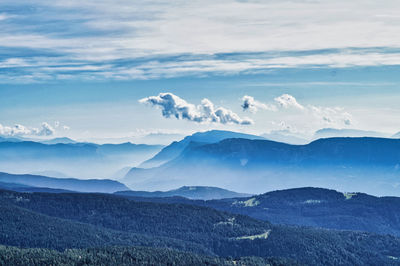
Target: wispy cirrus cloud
{"points": [[50, 40]]}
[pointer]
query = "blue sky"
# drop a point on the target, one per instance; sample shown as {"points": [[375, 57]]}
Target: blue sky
{"points": [[82, 66]]}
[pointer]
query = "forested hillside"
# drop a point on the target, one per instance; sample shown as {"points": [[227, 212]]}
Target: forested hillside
{"points": [[59, 221], [125, 256], [316, 207]]}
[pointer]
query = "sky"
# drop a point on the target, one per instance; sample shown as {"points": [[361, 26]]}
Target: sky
{"points": [[117, 70]]}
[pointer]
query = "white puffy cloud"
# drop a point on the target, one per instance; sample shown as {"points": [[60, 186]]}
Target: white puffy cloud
{"points": [[249, 103], [288, 101], [284, 101], [174, 106], [20, 130], [45, 130], [332, 116]]}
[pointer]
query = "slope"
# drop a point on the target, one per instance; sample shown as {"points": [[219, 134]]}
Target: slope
{"points": [[175, 148], [370, 165], [190, 192], [73, 184], [218, 232]]}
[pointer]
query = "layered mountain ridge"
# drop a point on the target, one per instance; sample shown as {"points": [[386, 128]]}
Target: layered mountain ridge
{"points": [[356, 164]]}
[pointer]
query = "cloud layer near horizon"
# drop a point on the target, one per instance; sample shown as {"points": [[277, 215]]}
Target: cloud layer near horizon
{"points": [[174, 106], [334, 116], [19, 130]]}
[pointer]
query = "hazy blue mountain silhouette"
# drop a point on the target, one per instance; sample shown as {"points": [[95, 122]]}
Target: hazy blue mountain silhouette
{"points": [[331, 151], [175, 148], [345, 132], [63, 140], [62, 150], [72, 184], [25, 188], [83, 160], [364, 164], [285, 136], [190, 192], [10, 139]]}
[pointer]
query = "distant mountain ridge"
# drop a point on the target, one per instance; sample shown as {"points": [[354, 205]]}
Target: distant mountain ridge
{"points": [[339, 150], [320, 207], [24, 188], [285, 137], [190, 192], [175, 148], [9, 139], [60, 140], [83, 160], [371, 163], [63, 140], [71, 184], [345, 132], [311, 206]]}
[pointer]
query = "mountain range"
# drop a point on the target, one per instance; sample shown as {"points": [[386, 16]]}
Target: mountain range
{"points": [[345, 132], [190, 192], [308, 206], [370, 165], [285, 136], [39, 183], [83, 160], [36, 183], [317, 207], [60, 140], [175, 148], [69, 220]]}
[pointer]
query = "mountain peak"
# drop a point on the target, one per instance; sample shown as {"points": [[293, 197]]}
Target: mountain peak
{"points": [[190, 192], [173, 150]]}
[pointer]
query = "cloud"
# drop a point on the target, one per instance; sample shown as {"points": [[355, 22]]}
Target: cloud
{"points": [[331, 115], [284, 101], [41, 69], [45, 130], [288, 101], [327, 115], [57, 124], [249, 103], [20, 130], [150, 39], [174, 106]]}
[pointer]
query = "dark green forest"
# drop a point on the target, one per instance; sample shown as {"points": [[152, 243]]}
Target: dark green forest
{"points": [[315, 207], [124, 256], [58, 222]]}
